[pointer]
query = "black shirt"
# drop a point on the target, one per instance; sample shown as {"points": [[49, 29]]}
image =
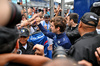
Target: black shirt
{"points": [[29, 49], [72, 34], [85, 48]]}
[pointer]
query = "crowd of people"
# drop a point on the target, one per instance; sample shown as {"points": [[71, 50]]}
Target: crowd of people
{"points": [[33, 38]]}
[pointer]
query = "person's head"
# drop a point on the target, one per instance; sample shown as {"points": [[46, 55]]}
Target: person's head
{"points": [[88, 23], [95, 8], [68, 20], [8, 38], [68, 10], [23, 17], [58, 24], [30, 11], [61, 62], [24, 36], [55, 10], [98, 26], [46, 18], [48, 9], [72, 19]]}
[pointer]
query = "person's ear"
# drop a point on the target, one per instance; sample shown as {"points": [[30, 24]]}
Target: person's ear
{"points": [[72, 21], [28, 37], [80, 25], [58, 28]]}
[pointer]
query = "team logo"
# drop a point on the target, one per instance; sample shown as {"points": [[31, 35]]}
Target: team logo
{"points": [[92, 17], [58, 42], [63, 39], [22, 31]]}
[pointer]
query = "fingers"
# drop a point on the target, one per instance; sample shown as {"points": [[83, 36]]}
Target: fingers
{"points": [[38, 20], [33, 17], [32, 22], [85, 63], [45, 27], [98, 50], [35, 47], [39, 47], [50, 47], [40, 13], [24, 23], [37, 52], [97, 54], [17, 44]]}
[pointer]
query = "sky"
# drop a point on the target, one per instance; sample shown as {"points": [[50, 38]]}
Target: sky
{"points": [[65, 0]]}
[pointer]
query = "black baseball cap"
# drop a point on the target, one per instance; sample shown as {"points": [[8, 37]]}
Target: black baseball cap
{"points": [[24, 32], [90, 16]]}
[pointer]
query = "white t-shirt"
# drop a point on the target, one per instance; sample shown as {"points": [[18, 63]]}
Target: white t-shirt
{"points": [[25, 46]]}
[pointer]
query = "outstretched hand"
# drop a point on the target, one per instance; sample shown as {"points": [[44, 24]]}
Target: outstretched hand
{"points": [[85, 63], [97, 54], [39, 49]]}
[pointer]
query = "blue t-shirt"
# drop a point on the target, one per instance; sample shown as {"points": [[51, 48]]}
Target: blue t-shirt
{"points": [[29, 16], [40, 38]]}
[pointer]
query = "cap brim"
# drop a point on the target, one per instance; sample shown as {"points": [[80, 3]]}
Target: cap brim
{"points": [[24, 35]]}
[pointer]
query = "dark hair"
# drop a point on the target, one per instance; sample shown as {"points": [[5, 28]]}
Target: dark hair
{"points": [[8, 47], [59, 4], [96, 10], [31, 7], [74, 16], [8, 38], [18, 3], [59, 22]]}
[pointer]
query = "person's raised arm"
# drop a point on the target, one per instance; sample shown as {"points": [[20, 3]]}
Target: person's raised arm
{"points": [[34, 16], [31, 60]]}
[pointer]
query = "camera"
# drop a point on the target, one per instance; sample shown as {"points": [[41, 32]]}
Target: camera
{"points": [[59, 52], [16, 16], [9, 33]]}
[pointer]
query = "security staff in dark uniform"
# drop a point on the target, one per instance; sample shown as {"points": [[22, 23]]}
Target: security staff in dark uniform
{"points": [[25, 46], [85, 47], [96, 9]]}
